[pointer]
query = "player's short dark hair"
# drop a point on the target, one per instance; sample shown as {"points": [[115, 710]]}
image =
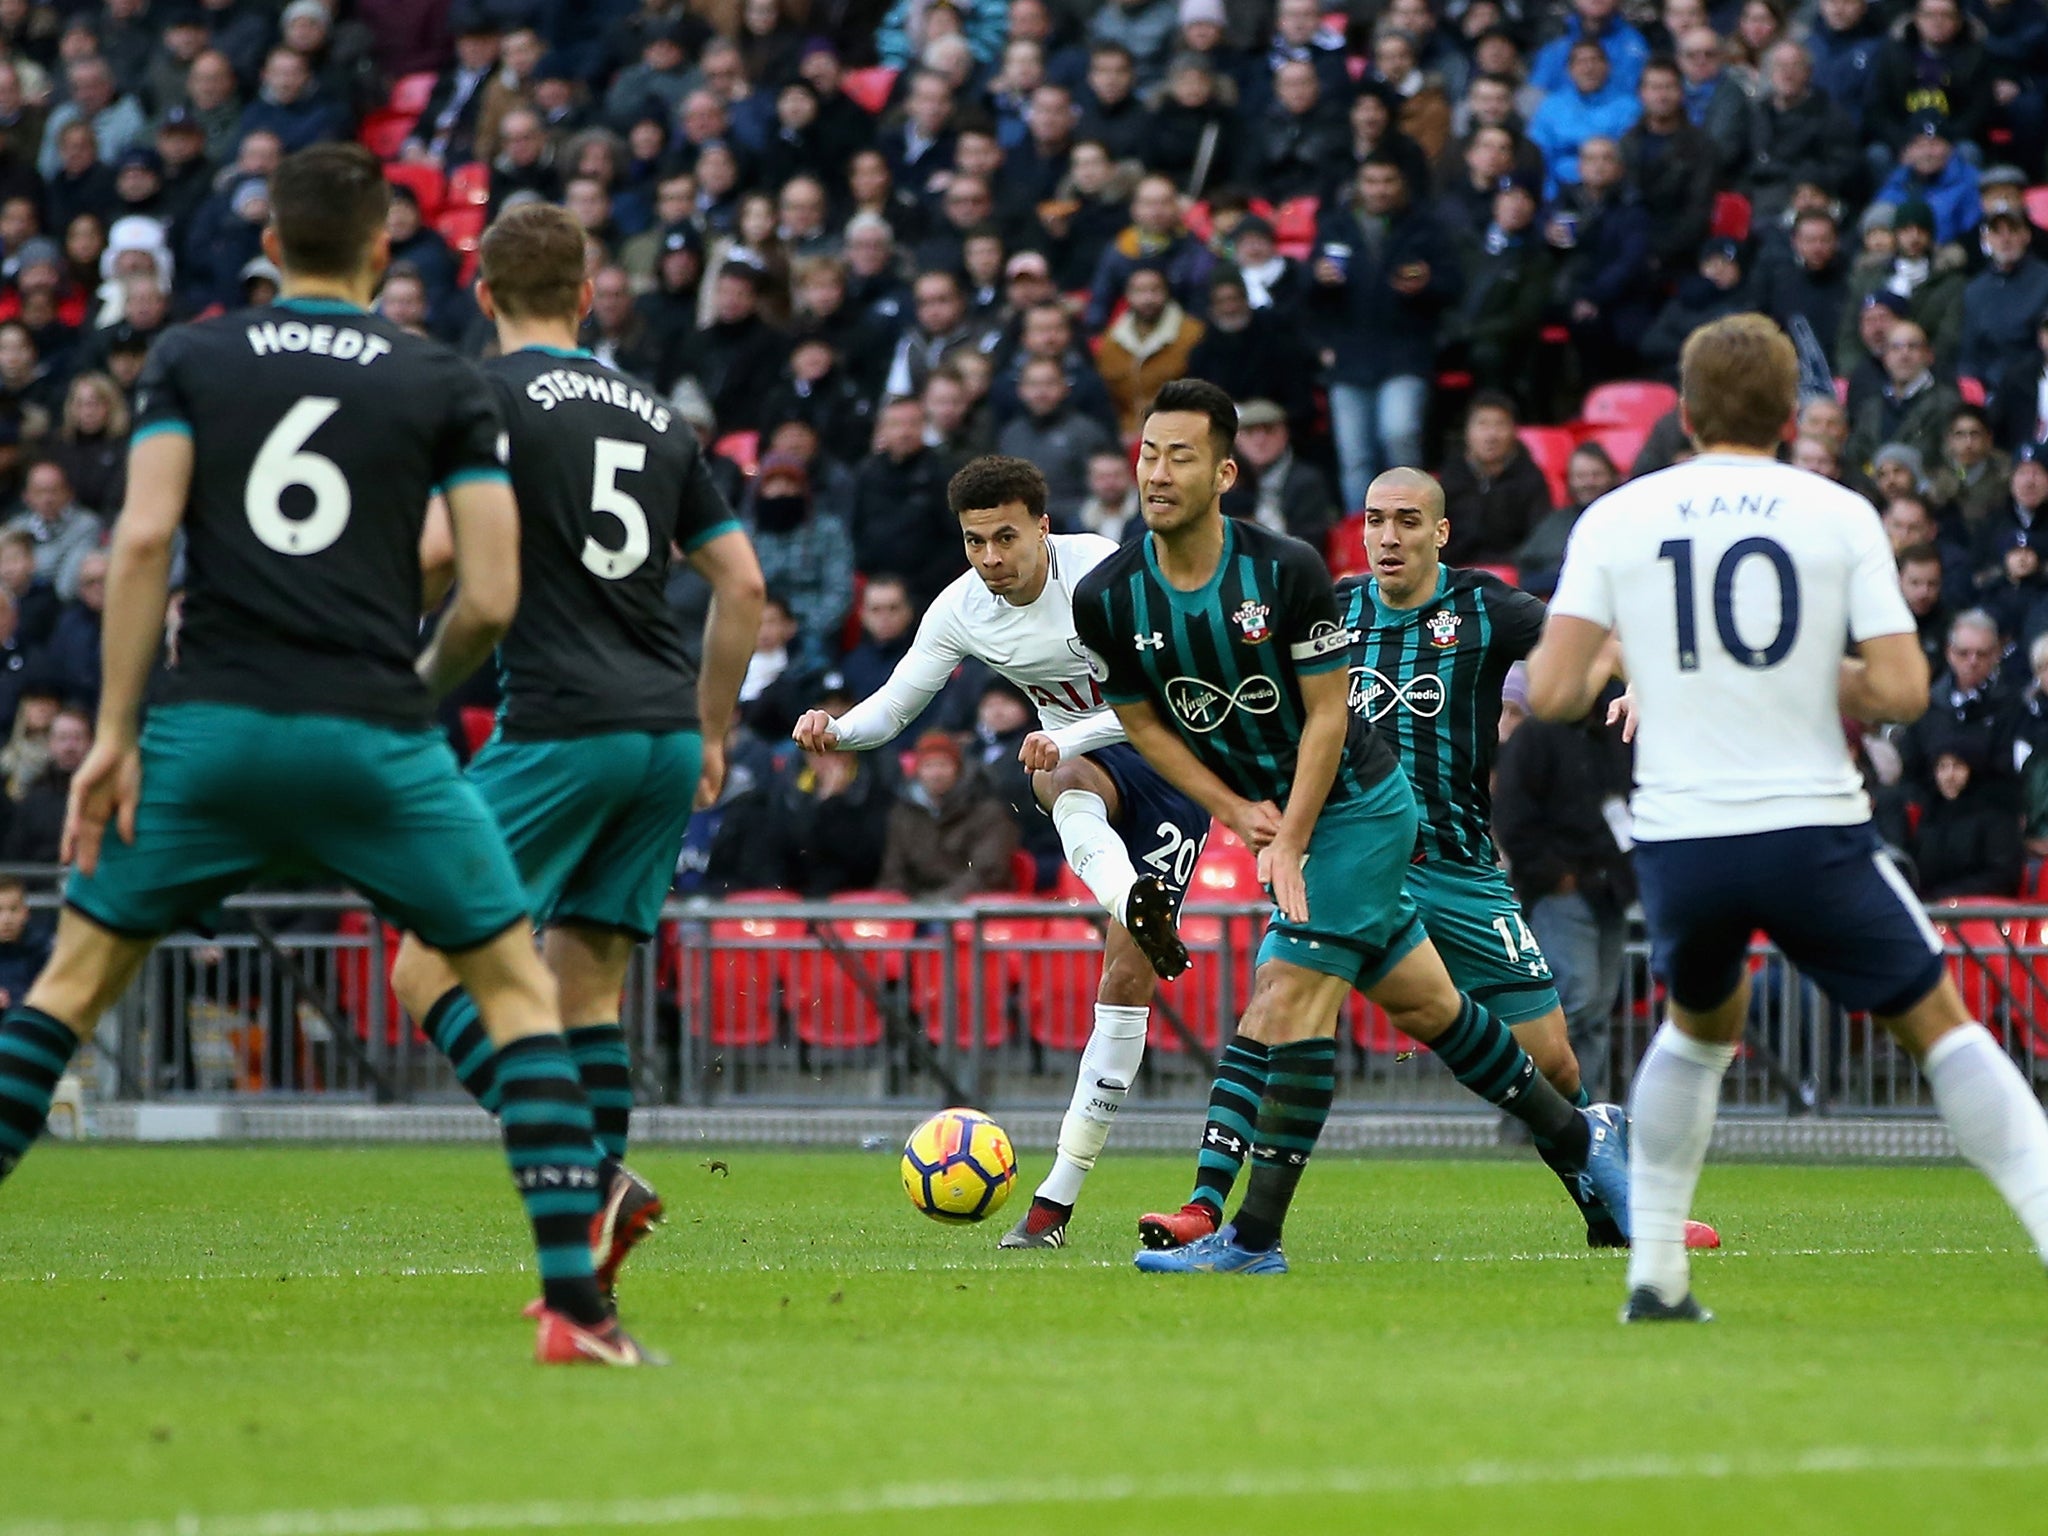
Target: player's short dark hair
{"points": [[532, 257], [327, 203], [1203, 399], [1919, 554], [996, 480]]}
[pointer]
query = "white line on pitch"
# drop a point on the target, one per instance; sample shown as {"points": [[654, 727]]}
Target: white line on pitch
{"points": [[910, 1498]]}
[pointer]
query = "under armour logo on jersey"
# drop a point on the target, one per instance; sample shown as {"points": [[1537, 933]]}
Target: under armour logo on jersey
{"points": [[1202, 706], [1152, 642], [1373, 694]]}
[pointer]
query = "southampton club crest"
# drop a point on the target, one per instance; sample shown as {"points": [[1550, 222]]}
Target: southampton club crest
{"points": [[1443, 630], [1250, 619]]}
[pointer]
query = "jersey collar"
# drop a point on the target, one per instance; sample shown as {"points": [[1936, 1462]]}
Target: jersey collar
{"points": [[320, 306], [1385, 616], [568, 352], [1201, 598]]}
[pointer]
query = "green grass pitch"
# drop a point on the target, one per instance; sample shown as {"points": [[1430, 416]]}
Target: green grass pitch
{"points": [[303, 1341]]}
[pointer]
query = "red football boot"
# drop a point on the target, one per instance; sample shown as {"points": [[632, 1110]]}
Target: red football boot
{"points": [[1191, 1222], [562, 1340], [630, 1211]]}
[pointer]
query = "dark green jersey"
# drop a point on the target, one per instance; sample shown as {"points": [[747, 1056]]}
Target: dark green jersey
{"points": [[318, 434], [1429, 678], [608, 479], [1222, 665]]}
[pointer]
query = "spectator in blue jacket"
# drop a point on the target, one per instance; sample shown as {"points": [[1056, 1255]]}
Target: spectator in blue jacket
{"points": [[292, 106], [1844, 43], [1595, 21], [2002, 302], [1931, 171], [1155, 238], [1591, 105], [1385, 272]]}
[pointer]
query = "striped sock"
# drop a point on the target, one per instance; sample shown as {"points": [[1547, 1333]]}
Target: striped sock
{"points": [[1301, 1080], [34, 1051], [453, 1025], [606, 1068], [1599, 1219], [1491, 1062], [1233, 1112], [554, 1159]]}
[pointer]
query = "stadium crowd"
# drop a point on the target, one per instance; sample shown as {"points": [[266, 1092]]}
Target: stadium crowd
{"points": [[859, 240]]}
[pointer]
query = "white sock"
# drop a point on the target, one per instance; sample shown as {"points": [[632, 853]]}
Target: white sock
{"points": [[1996, 1121], [1093, 849], [1108, 1068], [1671, 1110]]}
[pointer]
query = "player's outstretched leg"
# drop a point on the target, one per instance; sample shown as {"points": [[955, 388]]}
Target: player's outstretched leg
{"points": [[1300, 1085], [551, 1146], [428, 989], [1590, 1144], [1673, 1102], [1993, 1115], [1109, 1065], [89, 968], [1234, 1102]]}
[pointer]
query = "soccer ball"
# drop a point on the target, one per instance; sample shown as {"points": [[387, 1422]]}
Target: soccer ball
{"points": [[958, 1166]]}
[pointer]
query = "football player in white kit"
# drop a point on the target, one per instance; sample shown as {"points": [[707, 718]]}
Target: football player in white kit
{"points": [[1756, 604], [1014, 612]]}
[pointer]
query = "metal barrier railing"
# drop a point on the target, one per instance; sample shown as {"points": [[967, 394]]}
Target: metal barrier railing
{"points": [[872, 1001]]}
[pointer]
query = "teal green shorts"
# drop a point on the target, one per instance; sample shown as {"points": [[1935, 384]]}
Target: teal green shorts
{"points": [[595, 823], [1361, 921], [231, 795], [1476, 924]]}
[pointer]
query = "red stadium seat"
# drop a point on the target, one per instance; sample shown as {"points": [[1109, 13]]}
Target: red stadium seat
{"points": [[1972, 390], [1227, 873], [1005, 941], [1196, 995], [410, 93], [751, 964], [1369, 1027], [743, 448], [1506, 573], [834, 1006], [1345, 548], [470, 184], [1628, 403], [1023, 873], [1059, 977], [462, 227], [1551, 448], [1294, 227], [2037, 206], [1731, 217], [1623, 444], [352, 985], [1198, 222], [869, 89], [426, 182], [384, 134]]}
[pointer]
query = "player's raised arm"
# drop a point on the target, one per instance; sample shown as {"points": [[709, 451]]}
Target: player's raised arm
{"points": [[880, 717], [728, 562], [485, 520]]}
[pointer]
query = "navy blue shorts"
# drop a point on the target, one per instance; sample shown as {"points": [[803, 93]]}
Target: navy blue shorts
{"points": [[1826, 896], [1163, 829]]}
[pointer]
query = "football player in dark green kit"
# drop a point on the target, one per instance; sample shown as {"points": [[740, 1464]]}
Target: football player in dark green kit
{"points": [[1431, 647], [296, 446], [609, 734], [1225, 658]]}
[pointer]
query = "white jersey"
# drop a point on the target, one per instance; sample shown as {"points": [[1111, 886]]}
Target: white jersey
{"points": [[1736, 585], [1032, 646]]}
